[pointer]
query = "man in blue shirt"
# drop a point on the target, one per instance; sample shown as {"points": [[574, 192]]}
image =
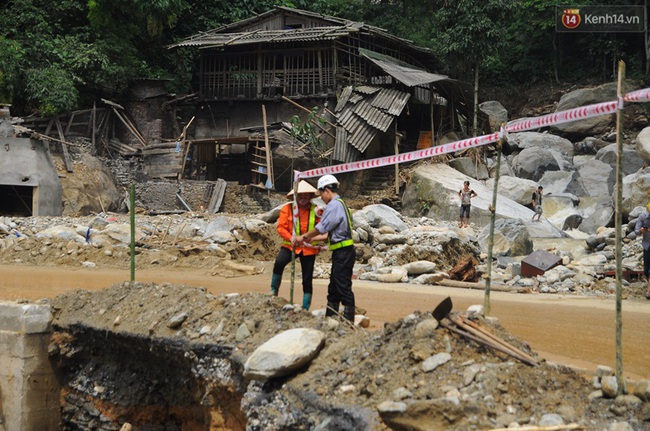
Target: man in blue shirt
{"points": [[643, 227], [337, 222]]}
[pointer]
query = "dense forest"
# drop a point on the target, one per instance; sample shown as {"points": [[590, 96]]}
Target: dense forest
{"points": [[58, 56]]}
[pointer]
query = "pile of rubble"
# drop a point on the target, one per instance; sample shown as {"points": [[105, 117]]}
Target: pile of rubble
{"points": [[390, 248], [175, 357]]}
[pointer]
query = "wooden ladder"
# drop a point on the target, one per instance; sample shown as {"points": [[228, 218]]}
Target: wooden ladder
{"points": [[261, 166]]}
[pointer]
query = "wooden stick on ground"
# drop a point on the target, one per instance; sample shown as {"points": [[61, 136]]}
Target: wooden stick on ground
{"points": [[162, 241], [547, 428]]}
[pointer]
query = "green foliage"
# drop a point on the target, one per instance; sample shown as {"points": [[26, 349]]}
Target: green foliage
{"points": [[87, 49], [308, 132], [11, 55], [51, 89]]}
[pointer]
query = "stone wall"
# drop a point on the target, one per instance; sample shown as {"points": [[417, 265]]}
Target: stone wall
{"points": [[29, 390]]}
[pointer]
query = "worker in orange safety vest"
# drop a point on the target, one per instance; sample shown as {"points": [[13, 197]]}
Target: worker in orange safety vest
{"points": [[307, 214]]}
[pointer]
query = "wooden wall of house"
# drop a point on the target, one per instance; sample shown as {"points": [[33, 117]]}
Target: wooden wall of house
{"points": [[221, 119]]}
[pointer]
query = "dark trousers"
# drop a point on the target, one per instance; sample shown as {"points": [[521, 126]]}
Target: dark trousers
{"points": [[340, 287], [646, 262], [306, 263]]}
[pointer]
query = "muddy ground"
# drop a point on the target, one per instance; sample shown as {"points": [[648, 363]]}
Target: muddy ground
{"points": [[387, 357]]}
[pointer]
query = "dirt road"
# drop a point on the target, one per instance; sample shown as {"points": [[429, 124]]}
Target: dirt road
{"points": [[575, 331]]}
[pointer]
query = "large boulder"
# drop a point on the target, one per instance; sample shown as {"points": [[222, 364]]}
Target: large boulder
{"points": [[523, 140], [470, 167], [433, 192], [496, 113], [93, 191], [511, 238], [593, 178], [636, 189], [587, 96], [556, 182], [631, 160], [519, 190], [379, 215], [643, 145], [589, 145], [532, 163], [596, 212]]}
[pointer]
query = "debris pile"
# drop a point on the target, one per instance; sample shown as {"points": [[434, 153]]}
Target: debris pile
{"points": [[172, 357]]}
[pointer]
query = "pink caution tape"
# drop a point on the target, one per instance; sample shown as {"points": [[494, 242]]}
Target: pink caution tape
{"points": [[520, 125], [638, 96], [401, 158], [580, 113]]}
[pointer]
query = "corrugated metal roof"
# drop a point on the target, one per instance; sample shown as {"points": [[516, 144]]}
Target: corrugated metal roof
{"points": [[391, 101], [343, 98], [342, 151], [374, 112], [373, 116], [405, 73], [215, 40], [366, 89]]}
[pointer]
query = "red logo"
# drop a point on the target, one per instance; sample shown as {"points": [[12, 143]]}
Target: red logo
{"points": [[571, 18]]}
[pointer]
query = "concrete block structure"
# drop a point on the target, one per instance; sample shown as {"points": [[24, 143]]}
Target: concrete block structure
{"points": [[29, 183], [29, 389]]}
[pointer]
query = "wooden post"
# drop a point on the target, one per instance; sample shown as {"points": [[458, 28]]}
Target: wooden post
{"points": [[132, 202], [433, 140], [94, 120], [187, 150], [493, 210], [618, 224]]}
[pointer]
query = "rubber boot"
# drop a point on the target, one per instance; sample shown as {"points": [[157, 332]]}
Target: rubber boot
{"points": [[306, 300], [348, 313], [276, 279], [332, 309]]}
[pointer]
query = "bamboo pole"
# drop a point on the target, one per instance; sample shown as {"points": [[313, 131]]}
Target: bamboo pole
{"points": [[618, 223], [267, 147], [296, 222], [493, 209], [397, 135], [187, 150], [132, 232]]}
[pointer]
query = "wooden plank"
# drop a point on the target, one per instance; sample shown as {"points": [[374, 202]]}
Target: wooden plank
{"points": [[148, 152], [66, 154], [216, 199], [130, 127]]}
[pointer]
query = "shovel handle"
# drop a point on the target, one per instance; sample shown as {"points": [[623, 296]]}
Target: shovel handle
{"points": [[489, 342], [497, 339]]}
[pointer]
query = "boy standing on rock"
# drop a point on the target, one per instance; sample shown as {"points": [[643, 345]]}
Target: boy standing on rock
{"points": [[465, 194]]}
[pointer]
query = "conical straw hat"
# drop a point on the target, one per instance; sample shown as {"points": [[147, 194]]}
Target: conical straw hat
{"points": [[304, 187]]}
